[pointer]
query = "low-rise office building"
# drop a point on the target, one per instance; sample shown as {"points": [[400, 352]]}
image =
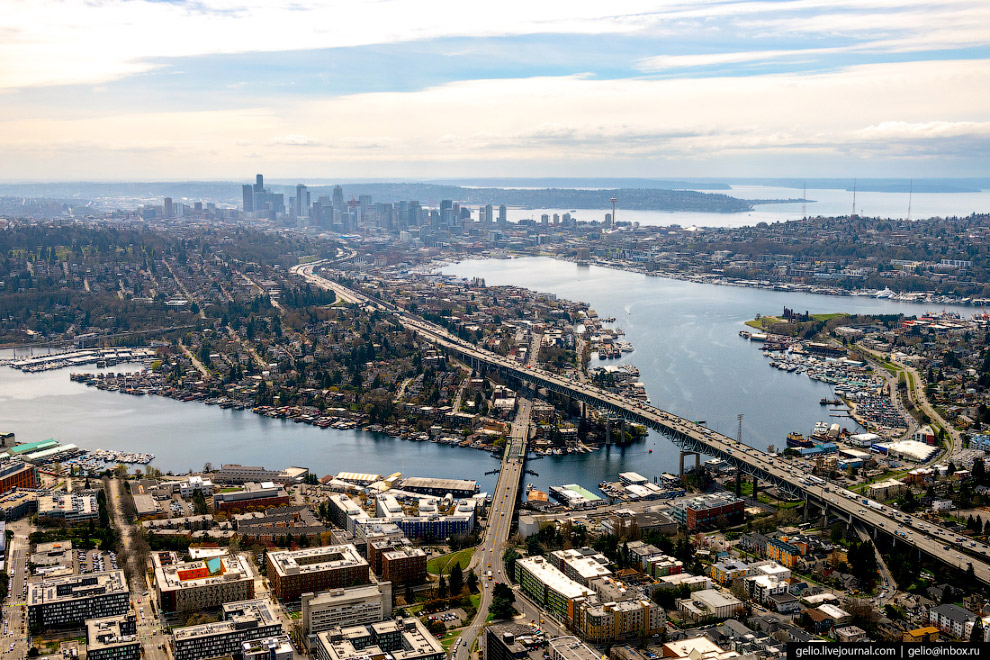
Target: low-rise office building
{"points": [[342, 608], [67, 602], [243, 621], [706, 511], [295, 572], [708, 604], [401, 639], [112, 638], [187, 586], [196, 485]]}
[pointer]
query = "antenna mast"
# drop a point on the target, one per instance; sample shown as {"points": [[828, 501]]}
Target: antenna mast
{"points": [[804, 202], [910, 193], [739, 428], [854, 197]]}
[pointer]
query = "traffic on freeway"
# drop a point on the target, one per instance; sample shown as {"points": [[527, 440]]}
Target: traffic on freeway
{"points": [[940, 544]]}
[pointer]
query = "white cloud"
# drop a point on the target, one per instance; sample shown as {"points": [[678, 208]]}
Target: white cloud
{"points": [[869, 112], [666, 62]]}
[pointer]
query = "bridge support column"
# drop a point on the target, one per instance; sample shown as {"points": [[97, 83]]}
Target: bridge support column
{"points": [[738, 482], [608, 430], [697, 463], [756, 486], [622, 433]]}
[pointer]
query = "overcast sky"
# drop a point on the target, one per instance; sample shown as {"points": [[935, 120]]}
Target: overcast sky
{"points": [[221, 89]]}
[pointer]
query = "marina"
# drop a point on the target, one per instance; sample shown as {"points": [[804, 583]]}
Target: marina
{"points": [[689, 359]]}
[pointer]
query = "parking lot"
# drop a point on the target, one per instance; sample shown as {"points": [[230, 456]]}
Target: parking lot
{"points": [[95, 561]]}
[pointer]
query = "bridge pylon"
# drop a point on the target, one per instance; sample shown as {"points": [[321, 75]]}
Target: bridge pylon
{"points": [[697, 462]]}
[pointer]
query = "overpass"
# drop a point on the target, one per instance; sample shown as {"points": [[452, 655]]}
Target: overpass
{"points": [[691, 437]]}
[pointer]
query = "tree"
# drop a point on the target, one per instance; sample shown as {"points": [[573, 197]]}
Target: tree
{"points": [[502, 599], [472, 582], [456, 580], [977, 633], [442, 591], [509, 558]]}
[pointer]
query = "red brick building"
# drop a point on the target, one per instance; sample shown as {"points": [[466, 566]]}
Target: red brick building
{"points": [[406, 566], [295, 572]]}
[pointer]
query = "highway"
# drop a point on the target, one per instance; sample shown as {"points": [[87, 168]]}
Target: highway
{"points": [[689, 436], [499, 524]]}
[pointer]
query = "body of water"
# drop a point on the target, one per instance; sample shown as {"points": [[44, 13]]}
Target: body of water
{"points": [[825, 202], [690, 356]]}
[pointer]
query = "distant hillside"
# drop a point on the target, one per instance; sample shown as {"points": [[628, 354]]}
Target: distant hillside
{"points": [[583, 182], [129, 195]]}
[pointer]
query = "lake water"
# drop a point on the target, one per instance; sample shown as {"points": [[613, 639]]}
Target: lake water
{"points": [[690, 356], [826, 202]]}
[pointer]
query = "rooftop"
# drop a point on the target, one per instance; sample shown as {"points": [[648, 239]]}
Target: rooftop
{"points": [[313, 560]]}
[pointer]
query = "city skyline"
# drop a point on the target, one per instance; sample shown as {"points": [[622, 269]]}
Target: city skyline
{"points": [[167, 90]]}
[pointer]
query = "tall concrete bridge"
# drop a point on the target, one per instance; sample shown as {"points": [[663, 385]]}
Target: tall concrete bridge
{"points": [[696, 439]]}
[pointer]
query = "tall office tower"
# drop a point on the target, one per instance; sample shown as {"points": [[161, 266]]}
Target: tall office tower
{"points": [[338, 199], [364, 203], [489, 218], [259, 183], [556, 219], [481, 215], [503, 217], [545, 219], [247, 195], [301, 206], [167, 210]]}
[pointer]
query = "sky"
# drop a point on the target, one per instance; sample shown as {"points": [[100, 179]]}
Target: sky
{"points": [[221, 89]]}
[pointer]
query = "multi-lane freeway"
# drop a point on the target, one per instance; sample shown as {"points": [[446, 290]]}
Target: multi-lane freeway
{"points": [[689, 436], [499, 524]]}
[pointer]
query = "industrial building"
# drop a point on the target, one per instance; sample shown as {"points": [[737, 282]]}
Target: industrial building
{"points": [[295, 572], [574, 496], [66, 602], [233, 473], [457, 488]]}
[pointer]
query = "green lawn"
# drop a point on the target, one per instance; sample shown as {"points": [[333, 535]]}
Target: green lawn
{"points": [[442, 565]]}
